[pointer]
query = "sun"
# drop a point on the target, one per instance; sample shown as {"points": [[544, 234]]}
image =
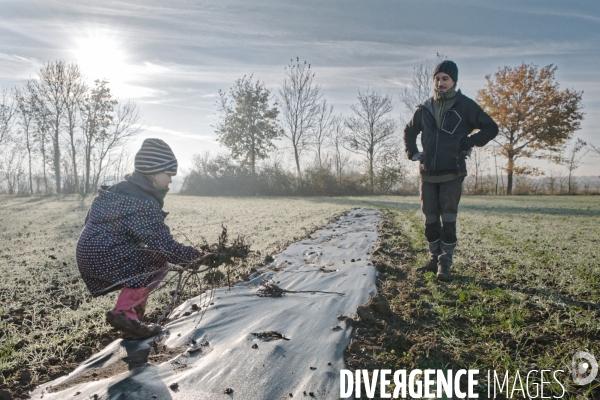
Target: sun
{"points": [[101, 55]]}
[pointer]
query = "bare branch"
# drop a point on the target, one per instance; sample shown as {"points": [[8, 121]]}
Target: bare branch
{"points": [[299, 97], [370, 129]]}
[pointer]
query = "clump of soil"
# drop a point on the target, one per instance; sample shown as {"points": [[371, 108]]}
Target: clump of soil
{"points": [[270, 335], [270, 289]]}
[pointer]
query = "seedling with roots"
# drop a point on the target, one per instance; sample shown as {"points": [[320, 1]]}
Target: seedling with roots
{"points": [[195, 278], [270, 288]]}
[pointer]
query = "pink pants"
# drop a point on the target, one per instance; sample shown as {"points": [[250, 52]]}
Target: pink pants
{"points": [[132, 302]]}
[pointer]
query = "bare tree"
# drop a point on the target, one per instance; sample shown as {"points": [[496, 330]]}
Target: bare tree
{"points": [[11, 163], [323, 128], [124, 125], [572, 159], [97, 115], [370, 129], [118, 168], [74, 92], [421, 88], [299, 99], [336, 141], [478, 160], [390, 170], [50, 90], [26, 106], [42, 121], [7, 111]]}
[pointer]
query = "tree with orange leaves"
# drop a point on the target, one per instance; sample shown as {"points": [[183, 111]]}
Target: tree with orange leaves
{"points": [[535, 118]]}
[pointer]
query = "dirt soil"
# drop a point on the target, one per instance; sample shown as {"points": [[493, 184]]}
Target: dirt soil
{"points": [[390, 332], [31, 378], [154, 355], [55, 368]]}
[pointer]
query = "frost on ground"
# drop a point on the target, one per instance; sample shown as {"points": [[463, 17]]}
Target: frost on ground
{"points": [[251, 346], [48, 321]]}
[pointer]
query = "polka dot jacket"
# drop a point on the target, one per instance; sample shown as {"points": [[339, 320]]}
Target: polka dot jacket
{"points": [[125, 237]]}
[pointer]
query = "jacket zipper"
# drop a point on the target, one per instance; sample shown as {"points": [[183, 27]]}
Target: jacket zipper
{"points": [[437, 132], [437, 135]]}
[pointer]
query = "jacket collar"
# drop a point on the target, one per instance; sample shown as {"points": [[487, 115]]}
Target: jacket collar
{"points": [[144, 184], [428, 104]]}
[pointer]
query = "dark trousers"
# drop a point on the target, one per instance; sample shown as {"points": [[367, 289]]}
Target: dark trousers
{"points": [[440, 200]]}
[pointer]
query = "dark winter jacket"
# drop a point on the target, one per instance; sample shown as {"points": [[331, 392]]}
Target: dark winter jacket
{"points": [[124, 237], [442, 146]]}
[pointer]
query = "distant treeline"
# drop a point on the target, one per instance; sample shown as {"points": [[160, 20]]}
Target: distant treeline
{"points": [[252, 119], [222, 176], [59, 135]]}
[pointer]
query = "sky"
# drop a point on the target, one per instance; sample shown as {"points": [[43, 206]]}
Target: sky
{"points": [[172, 57]]}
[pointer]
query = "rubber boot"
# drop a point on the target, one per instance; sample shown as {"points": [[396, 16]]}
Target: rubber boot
{"points": [[125, 316], [140, 308], [434, 251], [445, 261]]}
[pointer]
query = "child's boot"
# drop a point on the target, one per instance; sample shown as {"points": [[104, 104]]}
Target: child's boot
{"points": [[125, 316]]}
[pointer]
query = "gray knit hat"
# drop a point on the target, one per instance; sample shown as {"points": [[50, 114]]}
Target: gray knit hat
{"points": [[155, 157], [448, 67]]}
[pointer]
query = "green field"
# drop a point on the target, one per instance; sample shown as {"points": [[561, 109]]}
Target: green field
{"points": [[525, 292]]}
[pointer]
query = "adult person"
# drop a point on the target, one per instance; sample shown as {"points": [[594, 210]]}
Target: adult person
{"points": [[126, 244], [446, 123]]}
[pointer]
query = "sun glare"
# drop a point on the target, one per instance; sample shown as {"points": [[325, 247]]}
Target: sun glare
{"points": [[100, 55]]}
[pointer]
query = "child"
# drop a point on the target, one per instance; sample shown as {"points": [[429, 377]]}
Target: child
{"points": [[125, 243]]}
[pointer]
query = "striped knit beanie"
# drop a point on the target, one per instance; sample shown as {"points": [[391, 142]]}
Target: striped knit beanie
{"points": [[448, 67], [155, 157]]}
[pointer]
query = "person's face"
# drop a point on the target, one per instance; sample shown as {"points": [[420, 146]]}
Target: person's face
{"points": [[162, 180], [442, 82]]}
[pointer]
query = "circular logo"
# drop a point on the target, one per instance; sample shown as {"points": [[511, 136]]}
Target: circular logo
{"points": [[584, 368]]}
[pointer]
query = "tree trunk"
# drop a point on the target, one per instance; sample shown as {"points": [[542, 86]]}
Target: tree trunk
{"points": [[371, 177], [319, 155], [297, 158], [88, 161], [30, 173], [74, 157], [509, 176], [56, 162], [496, 166], [44, 167], [253, 158]]}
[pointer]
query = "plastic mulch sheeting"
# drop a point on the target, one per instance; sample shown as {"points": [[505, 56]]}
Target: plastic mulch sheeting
{"points": [[248, 346]]}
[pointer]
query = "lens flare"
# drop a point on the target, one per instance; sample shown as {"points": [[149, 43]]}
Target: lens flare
{"points": [[102, 55]]}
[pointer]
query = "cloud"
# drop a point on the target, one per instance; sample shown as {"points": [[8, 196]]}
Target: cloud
{"points": [[175, 105], [16, 67], [159, 129]]}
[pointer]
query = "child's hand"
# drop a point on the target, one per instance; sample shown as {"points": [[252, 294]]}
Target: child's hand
{"points": [[215, 259], [202, 260]]}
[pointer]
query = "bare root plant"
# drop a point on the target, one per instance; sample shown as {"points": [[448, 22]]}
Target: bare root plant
{"points": [[269, 288], [201, 277]]}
